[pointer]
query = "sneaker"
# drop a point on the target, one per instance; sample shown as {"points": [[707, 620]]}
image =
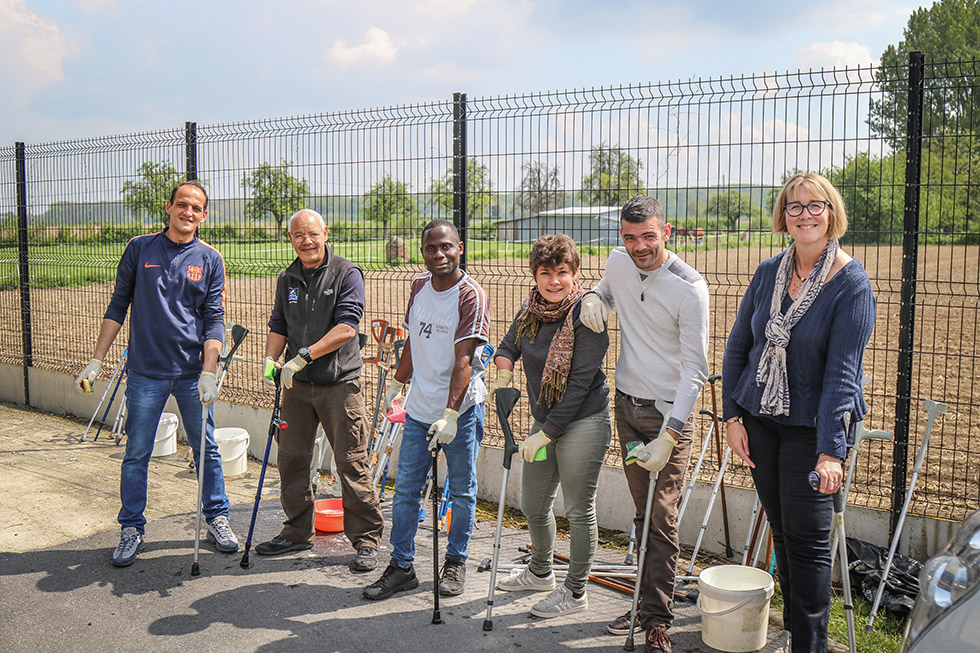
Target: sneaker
{"points": [[130, 544], [527, 581], [621, 625], [558, 603], [452, 577], [365, 560], [279, 545], [221, 535], [658, 641], [394, 579]]}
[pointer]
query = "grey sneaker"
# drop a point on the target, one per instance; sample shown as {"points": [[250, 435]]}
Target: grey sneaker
{"points": [[130, 544], [527, 581], [558, 603], [221, 535]]}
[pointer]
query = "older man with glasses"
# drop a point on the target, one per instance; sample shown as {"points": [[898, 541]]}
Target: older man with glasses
{"points": [[319, 303]]}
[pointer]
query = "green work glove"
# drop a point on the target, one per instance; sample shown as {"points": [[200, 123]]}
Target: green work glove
{"points": [[269, 374]]}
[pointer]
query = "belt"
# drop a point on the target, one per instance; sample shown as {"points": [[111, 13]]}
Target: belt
{"points": [[636, 401]]}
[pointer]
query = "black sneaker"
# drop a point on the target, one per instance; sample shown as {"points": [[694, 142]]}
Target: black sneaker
{"points": [[452, 577], [394, 579], [365, 560], [279, 545]]}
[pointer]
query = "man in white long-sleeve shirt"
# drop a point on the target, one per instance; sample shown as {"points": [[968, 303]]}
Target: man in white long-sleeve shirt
{"points": [[662, 304]]}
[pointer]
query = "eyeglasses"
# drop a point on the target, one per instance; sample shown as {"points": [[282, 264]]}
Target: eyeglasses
{"points": [[315, 235], [815, 208]]}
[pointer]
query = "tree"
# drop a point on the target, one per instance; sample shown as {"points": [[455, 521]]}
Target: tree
{"points": [[388, 200], [275, 193], [732, 205], [478, 190], [150, 193], [948, 31], [540, 189], [614, 177], [874, 193]]}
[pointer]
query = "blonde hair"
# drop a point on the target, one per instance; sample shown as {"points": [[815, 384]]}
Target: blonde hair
{"points": [[820, 187]]}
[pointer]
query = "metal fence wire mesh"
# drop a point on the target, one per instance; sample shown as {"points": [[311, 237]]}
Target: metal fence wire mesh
{"points": [[508, 169]]}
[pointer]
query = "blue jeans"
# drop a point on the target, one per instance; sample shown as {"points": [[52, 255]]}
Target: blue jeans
{"points": [[145, 399], [414, 462]]}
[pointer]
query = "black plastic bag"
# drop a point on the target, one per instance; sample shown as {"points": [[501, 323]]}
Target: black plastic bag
{"points": [[867, 562]]}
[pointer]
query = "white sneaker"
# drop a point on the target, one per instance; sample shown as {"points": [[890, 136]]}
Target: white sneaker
{"points": [[558, 603], [526, 581], [221, 535]]}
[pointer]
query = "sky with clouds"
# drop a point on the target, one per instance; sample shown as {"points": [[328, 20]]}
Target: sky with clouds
{"points": [[83, 68]]}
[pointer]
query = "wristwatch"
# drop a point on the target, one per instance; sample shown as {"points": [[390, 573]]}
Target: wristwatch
{"points": [[304, 353]]}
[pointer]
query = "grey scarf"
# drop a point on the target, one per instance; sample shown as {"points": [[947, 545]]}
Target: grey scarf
{"points": [[772, 364]]}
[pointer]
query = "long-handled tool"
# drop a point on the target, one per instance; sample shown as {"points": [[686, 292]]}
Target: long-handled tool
{"points": [[275, 425], [436, 614], [108, 406], [664, 408], [506, 399], [724, 502], [933, 408], [238, 333], [119, 367], [385, 336]]}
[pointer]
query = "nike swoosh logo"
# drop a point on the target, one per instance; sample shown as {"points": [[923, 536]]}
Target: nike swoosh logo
{"points": [[148, 265]]}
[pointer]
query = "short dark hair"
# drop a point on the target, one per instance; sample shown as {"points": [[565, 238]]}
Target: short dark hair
{"points": [[551, 251], [190, 182], [440, 223], [641, 208]]}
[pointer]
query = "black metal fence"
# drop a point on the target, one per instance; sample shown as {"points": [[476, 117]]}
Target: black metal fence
{"points": [[509, 168]]}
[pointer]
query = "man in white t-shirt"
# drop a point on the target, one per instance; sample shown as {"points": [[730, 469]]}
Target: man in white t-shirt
{"points": [[662, 304], [448, 322]]}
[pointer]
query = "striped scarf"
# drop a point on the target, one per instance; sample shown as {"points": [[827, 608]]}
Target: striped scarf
{"points": [[558, 364], [772, 364]]}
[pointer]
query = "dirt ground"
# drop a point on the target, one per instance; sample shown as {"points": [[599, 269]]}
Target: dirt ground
{"points": [[65, 322]]}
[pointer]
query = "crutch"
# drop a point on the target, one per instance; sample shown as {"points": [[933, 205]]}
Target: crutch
{"points": [[707, 512], [436, 614], [275, 425], [755, 523], [839, 505], [381, 332], [238, 333], [119, 367], [664, 408], [933, 408], [120, 424], [112, 398], [689, 490], [506, 399], [724, 502]]}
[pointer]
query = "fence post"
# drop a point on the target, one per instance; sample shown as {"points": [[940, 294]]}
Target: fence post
{"points": [[22, 266], [460, 219], [190, 137], [910, 257]]}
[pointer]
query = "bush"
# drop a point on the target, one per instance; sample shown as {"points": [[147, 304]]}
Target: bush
{"points": [[119, 234]]}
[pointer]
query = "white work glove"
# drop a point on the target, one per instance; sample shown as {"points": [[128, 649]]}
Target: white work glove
{"points": [[269, 374], [295, 364], [89, 374], [658, 452], [393, 395], [529, 448], [207, 389], [443, 431], [504, 377], [594, 312]]}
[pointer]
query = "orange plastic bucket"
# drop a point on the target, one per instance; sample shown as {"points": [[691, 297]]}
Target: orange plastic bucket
{"points": [[328, 515]]}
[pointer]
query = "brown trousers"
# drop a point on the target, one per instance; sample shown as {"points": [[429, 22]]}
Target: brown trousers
{"points": [[339, 408], [657, 586]]}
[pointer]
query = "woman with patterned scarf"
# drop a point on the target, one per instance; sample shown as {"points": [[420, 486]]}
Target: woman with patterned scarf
{"points": [[569, 400], [792, 372]]}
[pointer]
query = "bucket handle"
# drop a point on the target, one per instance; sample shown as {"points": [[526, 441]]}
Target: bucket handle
{"points": [[724, 612]]}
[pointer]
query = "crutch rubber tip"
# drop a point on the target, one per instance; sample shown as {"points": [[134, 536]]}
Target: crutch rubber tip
{"points": [[437, 618], [244, 564], [629, 646], [868, 629], [195, 569], [487, 625]]}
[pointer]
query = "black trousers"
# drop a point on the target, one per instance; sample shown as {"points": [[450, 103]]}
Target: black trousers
{"points": [[801, 520]]}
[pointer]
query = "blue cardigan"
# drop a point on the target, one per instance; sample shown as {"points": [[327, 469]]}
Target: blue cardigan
{"points": [[823, 359]]}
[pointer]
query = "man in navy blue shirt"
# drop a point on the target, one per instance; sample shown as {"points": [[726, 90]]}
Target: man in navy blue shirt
{"points": [[319, 303], [175, 283]]}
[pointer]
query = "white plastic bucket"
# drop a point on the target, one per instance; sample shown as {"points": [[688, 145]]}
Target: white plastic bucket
{"points": [[734, 607], [233, 447], [165, 441]]}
